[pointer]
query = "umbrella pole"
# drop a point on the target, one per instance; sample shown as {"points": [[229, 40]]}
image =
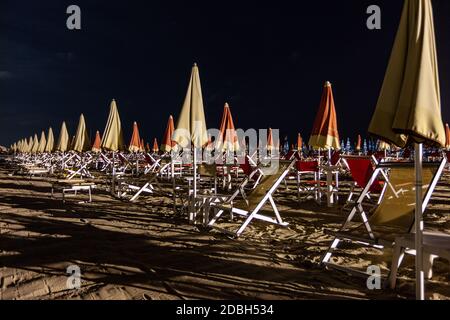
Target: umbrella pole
{"points": [[113, 174], [420, 283], [330, 200], [194, 195]]}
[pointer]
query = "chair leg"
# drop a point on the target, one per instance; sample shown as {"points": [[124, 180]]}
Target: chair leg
{"points": [[214, 219], [397, 259], [330, 250], [428, 260]]}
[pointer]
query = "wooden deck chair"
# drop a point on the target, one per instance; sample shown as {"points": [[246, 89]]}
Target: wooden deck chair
{"points": [[250, 206], [394, 216]]}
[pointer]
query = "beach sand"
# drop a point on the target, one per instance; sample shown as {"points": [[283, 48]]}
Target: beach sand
{"points": [[144, 251]]}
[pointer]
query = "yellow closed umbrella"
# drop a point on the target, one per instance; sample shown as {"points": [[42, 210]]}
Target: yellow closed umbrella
{"points": [[191, 125], [383, 146], [42, 143], [81, 142], [35, 146], [409, 105], [408, 108], [50, 141], [112, 138], [30, 145], [63, 140]]}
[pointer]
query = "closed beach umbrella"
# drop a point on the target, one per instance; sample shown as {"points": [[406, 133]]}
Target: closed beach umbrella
{"points": [[408, 108], [299, 142], [50, 141], [325, 134], [112, 139], [383, 146], [135, 142], [270, 142], [63, 140], [142, 146], [167, 142], [97, 145], [42, 143], [155, 146], [30, 145], [191, 125], [358, 144], [35, 146], [228, 139], [82, 142]]}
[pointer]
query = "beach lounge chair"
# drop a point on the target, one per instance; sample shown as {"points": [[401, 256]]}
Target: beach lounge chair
{"points": [[394, 216], [250, 206], [33, 170], [435, 244], [72, 186], [308, 187], [151, 164], [362, 169], [150, 186]]}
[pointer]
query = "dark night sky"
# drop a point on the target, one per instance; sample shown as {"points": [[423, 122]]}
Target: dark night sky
{"points": [[269, 61]]}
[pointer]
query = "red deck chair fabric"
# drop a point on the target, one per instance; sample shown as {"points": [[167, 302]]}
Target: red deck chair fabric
{"points": [[379, 155], [148, 159], [361, 171], [307, 166], [291, 154], [122, 159], [311, 166], [335, 158], [246, 167]]}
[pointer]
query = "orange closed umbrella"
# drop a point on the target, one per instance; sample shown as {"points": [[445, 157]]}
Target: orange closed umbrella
{"points": [[270, 143], [299, 142], [135, 142], [142, 146], [167, 143], [155, 146], [228, 139], [97, 145], [325, 134], [358, 143]]}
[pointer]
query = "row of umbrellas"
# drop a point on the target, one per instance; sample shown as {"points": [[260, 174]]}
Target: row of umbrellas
{"points": [[80, 142]]}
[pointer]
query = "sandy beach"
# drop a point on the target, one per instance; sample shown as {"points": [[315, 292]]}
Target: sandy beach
{"points": [[143, 250]]}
